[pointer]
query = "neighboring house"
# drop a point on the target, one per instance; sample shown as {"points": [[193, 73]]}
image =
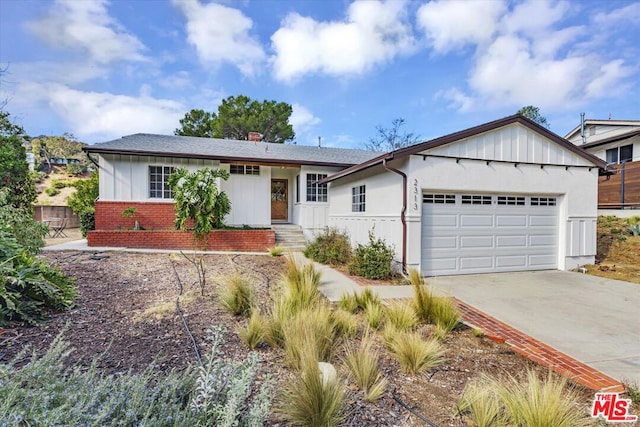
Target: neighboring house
{"points": [[31, 161], [508, 195], [617, 142]]}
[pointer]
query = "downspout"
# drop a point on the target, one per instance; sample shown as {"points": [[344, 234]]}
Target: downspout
{"points": [[92, 160], [403, 218], [622, 167]]}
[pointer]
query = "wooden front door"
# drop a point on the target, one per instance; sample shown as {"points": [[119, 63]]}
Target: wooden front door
{"points": [[279, 200]]}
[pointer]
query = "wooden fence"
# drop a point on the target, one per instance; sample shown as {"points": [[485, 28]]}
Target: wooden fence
{"points": [[622, 189], [48, 212]]}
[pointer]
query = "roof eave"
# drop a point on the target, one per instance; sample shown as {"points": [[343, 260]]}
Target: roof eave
{"points": [[212, 157]]}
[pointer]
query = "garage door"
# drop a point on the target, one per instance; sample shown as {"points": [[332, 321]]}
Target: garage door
{"points": [[485, 233]]}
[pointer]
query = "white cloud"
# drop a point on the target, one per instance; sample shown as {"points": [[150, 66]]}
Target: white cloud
{"points": [[222, 34], [86, 26], [524, 55], [91, 114], [452, 24], [302, 119], [630, 13], [372, 32]]}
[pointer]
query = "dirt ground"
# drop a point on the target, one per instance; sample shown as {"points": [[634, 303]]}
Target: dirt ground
{"points": [[618, 254], [126, 315]]}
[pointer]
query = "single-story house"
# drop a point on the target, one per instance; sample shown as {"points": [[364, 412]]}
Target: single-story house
{"points": [[508, 195]]}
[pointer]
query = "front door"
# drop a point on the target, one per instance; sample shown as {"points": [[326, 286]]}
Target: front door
{"points": [[279, 200]]}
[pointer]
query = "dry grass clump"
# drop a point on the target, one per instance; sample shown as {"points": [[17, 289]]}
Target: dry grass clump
{"points": [[309, 332], [346, 323], [349, 302], [414, 353], [363, 363], [311, 399], [527, 401], [275, 250], [237, 295], [445, 314], [401, 315], [374, 314], [254, 332]]}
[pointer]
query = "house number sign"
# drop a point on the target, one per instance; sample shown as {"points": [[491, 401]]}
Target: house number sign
{"points": [[415, 194]]}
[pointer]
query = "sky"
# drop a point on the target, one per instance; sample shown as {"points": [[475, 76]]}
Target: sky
{"points": [[104, 69]]}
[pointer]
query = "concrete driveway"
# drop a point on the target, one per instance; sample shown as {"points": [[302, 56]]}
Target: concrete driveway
{"points": [[592, 319]]}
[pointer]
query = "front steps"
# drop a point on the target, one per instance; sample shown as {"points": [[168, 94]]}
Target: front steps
{"points": [[289, 236]]}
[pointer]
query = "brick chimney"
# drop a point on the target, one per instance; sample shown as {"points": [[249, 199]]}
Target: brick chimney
{"points": [[254, 137]]}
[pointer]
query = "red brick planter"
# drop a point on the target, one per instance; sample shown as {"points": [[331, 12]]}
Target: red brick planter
{"points": [[219, 240]]}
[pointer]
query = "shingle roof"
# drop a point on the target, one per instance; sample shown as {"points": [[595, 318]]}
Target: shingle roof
{"points": [[230, 150]]}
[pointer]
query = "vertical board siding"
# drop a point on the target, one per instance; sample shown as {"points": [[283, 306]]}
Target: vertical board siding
{"points": [[581, 239]]}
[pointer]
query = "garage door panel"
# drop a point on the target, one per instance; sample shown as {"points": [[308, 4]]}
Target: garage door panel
{"points": [[444, 242], [511, 220], [480, 237], [467, 220], [450, 220], [543, 221], [542, 240], [475, 263], [476, 242], [517, 241], [519, 261]]}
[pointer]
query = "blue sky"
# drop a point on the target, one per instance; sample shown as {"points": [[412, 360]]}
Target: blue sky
{"points": [[101, 69]]}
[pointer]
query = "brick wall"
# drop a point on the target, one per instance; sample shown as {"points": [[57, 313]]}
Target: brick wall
{"points": [[219, 240], [149, 215]]}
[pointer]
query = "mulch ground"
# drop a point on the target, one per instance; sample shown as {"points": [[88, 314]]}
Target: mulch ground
{"points": [[126, 316]]}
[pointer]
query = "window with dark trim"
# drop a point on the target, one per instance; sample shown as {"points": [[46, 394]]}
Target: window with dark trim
{"points": [[244, 169], [511, 200], [543, 201], [439, 198], [358, 198], [620, 154], [475, 200], [159, 182], [297, 188], [316, 192]]}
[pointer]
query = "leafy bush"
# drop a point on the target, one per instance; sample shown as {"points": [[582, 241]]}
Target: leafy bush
{"points": [[29, 286], [197, 197], [84, 198], [59, 185], [372, 260], [75, 168], [19, 223], [237, 295], [87, 221], [330, 247], [52, 191]]}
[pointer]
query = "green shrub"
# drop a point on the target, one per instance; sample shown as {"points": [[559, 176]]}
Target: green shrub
{"points": [[75, 168], [29, 285], [237, 295], [372, 260], [19, 223], [52, 191], [84, 199], [330, 247], [59, 185], [87, 220]]}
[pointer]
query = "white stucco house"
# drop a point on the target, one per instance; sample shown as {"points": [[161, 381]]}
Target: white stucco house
{"points": [[508, 195]]}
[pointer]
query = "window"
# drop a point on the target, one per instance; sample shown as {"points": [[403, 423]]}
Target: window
{"points": [[620, 154], [316, 192], [476, 200], [511, 200], [358, 198], [543, 201], [439, 198], [297, 188], [159, 182], [244, 169]]}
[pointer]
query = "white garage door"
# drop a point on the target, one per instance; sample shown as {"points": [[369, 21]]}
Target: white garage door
{"points": [[485, 233]]}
